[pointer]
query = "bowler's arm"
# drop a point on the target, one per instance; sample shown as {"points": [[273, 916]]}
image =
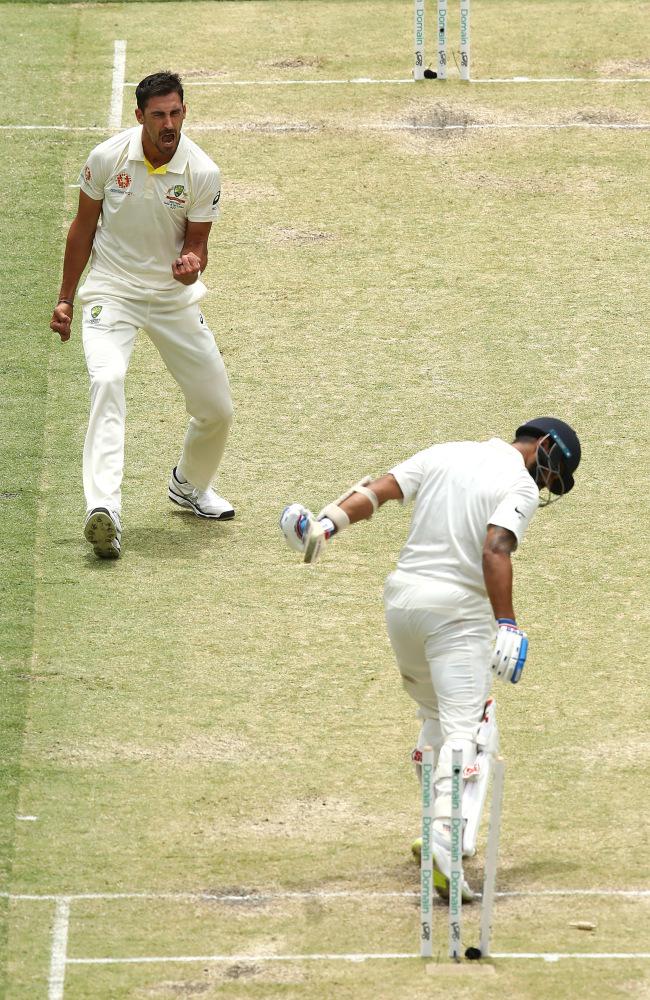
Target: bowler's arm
{"points": [[77, 251]]}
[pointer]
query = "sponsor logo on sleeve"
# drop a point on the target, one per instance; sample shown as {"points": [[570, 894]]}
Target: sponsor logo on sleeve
{"points": [[87, 174], [215, 200]]}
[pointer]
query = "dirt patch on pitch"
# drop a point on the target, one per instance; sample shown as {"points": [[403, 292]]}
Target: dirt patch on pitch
{"points": [[601, 116], [286, 234], [625, 67], [293, 62], [266, 126], [271, 126], [240, 191], [188, 75], [216, 975], [427, 126]]}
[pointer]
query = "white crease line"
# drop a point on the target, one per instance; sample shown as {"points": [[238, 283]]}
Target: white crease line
{"points": [[555, 956], [53, 128], [351, 957], [562, 79], [307, 894], [393, 80], [117, 86], [471, 127], [58, 953], [284, 83], [360, 957], [635, 893], [269, 129]]}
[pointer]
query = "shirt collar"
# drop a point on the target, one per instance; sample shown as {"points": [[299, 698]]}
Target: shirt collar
{"points": [[178, 162]]}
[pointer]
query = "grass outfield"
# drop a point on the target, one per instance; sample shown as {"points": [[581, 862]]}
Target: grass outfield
{"points": [[207, 717]]}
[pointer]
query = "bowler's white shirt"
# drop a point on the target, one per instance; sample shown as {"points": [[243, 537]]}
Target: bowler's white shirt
{"points": [[144, 213], [459, 489]]}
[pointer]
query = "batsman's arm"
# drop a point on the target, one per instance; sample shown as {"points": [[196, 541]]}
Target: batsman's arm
{"points": [[497, 570], [77, 251], [359, 507], [308, 534]]}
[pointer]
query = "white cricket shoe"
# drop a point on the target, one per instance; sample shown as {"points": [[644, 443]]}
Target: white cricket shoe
{"points": [[204, 503], [103, 529], [441, 851]]}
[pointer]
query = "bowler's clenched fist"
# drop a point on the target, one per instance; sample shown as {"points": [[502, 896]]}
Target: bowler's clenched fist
{"points": [[62, 320], [186, 268]]}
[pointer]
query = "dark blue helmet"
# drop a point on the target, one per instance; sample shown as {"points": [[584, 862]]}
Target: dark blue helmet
{"points": [[563, 457]]}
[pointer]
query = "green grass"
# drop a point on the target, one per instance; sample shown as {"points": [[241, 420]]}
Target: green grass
{"points": [[209, 715]]}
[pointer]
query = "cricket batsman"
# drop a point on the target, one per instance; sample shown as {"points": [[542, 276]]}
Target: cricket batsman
{"points": [[448, 604]]}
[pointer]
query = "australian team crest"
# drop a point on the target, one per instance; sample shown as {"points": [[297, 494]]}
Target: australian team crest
{"points": [[95, 312], [176, 196]]}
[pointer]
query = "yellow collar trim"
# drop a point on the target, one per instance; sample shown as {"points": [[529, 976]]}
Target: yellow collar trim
{"points": [[155, 170]]}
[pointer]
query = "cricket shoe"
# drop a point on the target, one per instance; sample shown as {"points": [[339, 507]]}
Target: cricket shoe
{"points": [[204, 503], [441, 851], [440, 883], [103, 530]]}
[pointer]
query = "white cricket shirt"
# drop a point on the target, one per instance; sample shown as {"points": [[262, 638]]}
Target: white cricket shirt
{"points": [[460, 488], [145, 211]]}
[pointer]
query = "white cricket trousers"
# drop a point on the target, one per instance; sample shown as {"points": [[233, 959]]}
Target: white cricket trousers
{"points": [[187, 346], [442, 640]]}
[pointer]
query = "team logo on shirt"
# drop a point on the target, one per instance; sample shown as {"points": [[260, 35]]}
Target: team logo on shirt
{"points": [[176, 196], [123, 180], [96, 311]]}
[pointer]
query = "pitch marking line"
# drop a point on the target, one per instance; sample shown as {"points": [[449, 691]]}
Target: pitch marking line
{"points": [[380, 82], [58, 953], [354, 957], [59, 959], [263, 128], [117, 86], [307, 894]]}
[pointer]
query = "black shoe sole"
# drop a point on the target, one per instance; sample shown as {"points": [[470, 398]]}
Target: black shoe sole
{"points": [[101, 532]]}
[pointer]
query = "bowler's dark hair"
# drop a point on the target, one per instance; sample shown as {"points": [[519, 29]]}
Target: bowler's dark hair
{"points": [[158, 85]]}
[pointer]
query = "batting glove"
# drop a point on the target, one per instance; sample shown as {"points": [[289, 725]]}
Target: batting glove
{"points": [[510, 651], [302, 531]]}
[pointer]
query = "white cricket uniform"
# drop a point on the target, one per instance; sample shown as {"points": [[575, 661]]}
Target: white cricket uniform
{"points": [[438, 614], [129, 286]]}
